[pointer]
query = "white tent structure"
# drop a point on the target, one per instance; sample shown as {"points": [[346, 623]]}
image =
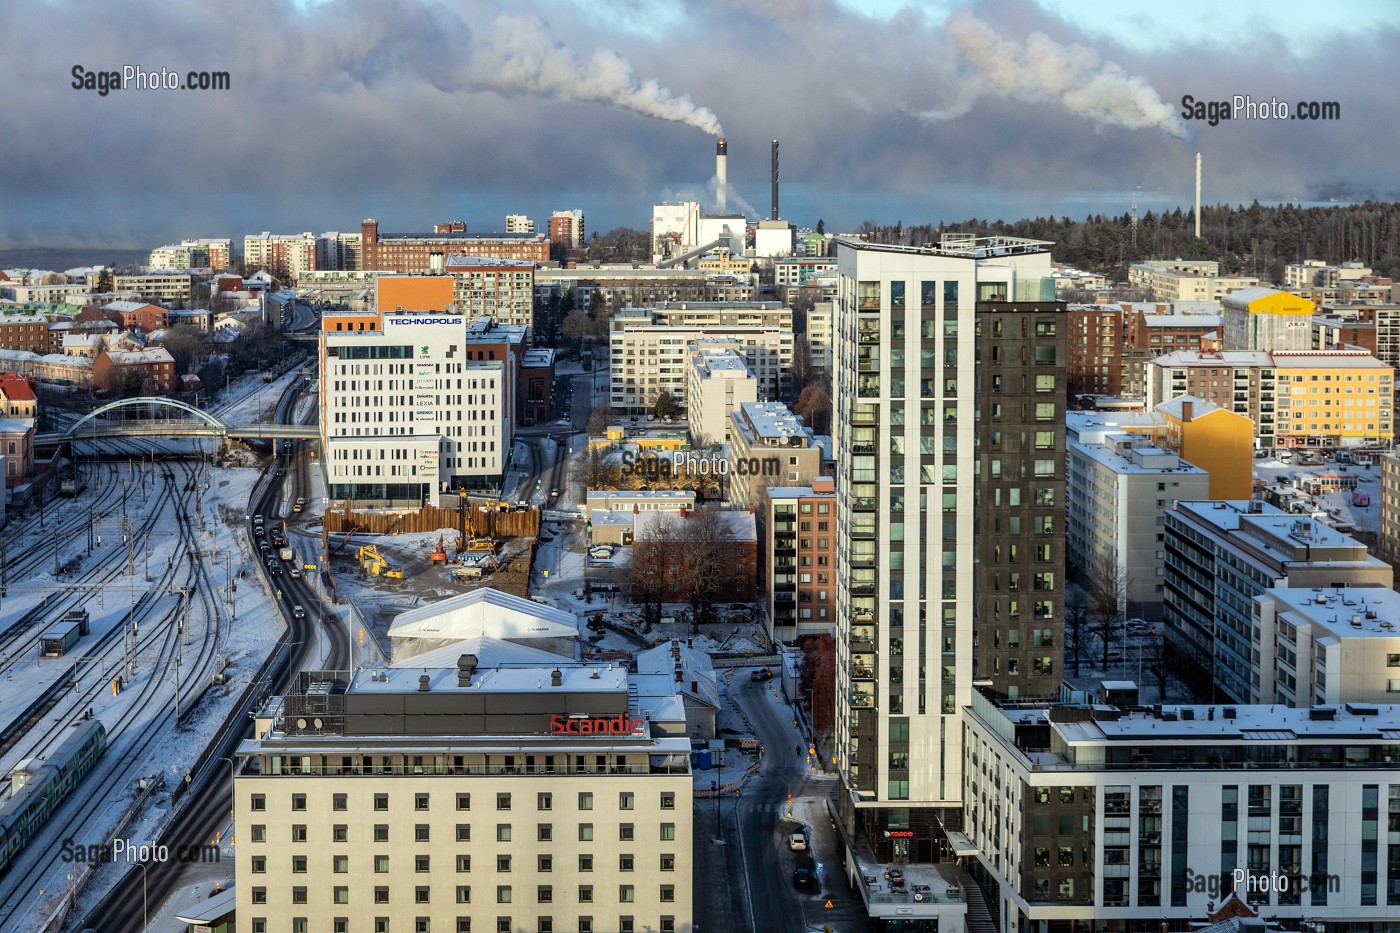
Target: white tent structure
{"points": [[484, 614]]}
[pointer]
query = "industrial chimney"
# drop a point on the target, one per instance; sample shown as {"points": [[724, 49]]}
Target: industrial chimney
{"points": [[775, 180], [721, 172], [1198, 195]]}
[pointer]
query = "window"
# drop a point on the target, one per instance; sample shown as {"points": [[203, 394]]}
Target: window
{"points": [[626, 894], [420, 894], [259, 864], [381, 864], [585, 801], [626, 925], [503, 832], [340, 864], [502, 863], [381, 895], [668, 832], [545, 863], [381, 832], [298, 801], [585, 832], [544, 802], [464, 925], [502, 894], [338, 802], [503, 801], [298, 864], [464, 894], [585, 863], [258, 802], [258, 832], [624, 863], [545, 832], [585, 894], [464, 863], [668, 799], [625, 832], [381, 801], [299, 832], [420, 863], [420, 832], [544, 894], [464, 801], [340, 895], [420, 801], [668, 894], [625, 800], [464, 832]]}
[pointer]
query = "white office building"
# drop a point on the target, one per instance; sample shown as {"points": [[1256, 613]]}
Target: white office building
{"points": [[408, 416]]}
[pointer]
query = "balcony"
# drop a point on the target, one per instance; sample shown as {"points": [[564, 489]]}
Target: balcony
{"points": [[864, 504], [784, 598], [865, 415], [862, 530]]}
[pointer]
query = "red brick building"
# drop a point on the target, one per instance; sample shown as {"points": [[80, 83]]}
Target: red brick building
{"points": [[115, 372], [1150, 334], [411, 252], [137, 315], [738, 583], [799, 539], [1095, 361], [20, 330]]}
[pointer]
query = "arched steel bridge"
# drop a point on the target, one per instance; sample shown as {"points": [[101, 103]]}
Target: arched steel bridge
{"points": [[196, 423]]}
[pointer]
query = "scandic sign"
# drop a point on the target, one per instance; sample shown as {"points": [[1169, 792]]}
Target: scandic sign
{"points": [[601, 725]]}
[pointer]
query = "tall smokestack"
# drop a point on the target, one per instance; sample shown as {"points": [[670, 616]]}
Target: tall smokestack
{"points": [[721, 172], [1198, 195], [775, 180]]}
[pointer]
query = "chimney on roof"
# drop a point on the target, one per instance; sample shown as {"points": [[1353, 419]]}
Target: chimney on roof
{"points": [[466, 666], [680, 676], [556, 678], [423, 683], [1187, 411]]}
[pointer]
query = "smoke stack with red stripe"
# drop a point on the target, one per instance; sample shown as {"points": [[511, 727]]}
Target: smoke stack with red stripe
{"points": [[721, 172]]}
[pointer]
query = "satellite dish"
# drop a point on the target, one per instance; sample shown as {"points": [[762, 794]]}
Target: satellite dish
{"points": [[301, 723], [317, 723]]}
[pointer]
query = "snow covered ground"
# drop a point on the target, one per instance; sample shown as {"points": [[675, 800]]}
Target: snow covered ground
{"points": [[1337, 506]]}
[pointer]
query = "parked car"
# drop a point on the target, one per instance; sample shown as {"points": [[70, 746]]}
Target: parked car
{"points": [[600, 551]]}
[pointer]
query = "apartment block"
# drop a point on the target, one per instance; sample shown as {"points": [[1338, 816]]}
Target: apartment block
{"points": [[26, 330], [163, 288], [650, 349], [1150, 334], [1095, 350], [1341, 331], [519, 223], [1314, 273], [820, 338], [501, 288], [620, 286], [1222, 554], [291, 254], [1321, 647], [949, 393], [769, 446], [798, 536], [566, 231], [1128, 819], [1118, 488], [718, 383]]}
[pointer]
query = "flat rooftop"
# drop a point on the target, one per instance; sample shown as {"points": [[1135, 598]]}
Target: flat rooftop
{"points": [[1346, 612]]}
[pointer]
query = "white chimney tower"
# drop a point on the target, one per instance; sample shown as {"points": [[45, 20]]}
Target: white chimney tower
{"points": [[1198, 195], [721, 172]]}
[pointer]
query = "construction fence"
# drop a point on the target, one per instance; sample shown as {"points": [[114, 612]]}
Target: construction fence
{"points": [[483, 521]]}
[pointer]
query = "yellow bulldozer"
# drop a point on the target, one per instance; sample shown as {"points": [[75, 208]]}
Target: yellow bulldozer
{"points": [[374, 564]]}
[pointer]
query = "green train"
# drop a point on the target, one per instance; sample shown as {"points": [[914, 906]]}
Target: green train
{"points": [[45, 784]]}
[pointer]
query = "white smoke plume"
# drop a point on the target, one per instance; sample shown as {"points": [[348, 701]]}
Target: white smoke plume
{"points": [[1044, 71], [518, 55]]}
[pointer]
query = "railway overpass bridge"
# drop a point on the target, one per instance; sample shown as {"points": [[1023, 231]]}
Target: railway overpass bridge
{"points": [[183, 420]]}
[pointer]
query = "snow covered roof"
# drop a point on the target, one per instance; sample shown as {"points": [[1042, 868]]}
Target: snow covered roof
{"points": [[1199, 407], [484, 612], [695, 666], [121, 306], [490, 652], [140, 357]]}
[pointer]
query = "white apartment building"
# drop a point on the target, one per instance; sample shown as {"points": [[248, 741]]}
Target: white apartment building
{"points": [[819, 335], [192, 254], [164, 288], [1325, 646], [1118, 487], [650, 353], [296, 253], [718, 382], [493, 784], [796, 271], [1314, 273], [769, 446], [1141, 273], [408, 416], [337, 252], [519, 223], [912, 570], [1133, 820]]}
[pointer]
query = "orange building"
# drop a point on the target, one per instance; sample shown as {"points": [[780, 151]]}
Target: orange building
{"points": [[413, 292], [350, 320], [1217, 440]]}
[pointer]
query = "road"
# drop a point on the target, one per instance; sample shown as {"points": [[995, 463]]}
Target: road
{"points": [[759, 867], [207, 806]]}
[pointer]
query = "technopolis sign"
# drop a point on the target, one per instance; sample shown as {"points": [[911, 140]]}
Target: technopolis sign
{"points": [[622, 724]]}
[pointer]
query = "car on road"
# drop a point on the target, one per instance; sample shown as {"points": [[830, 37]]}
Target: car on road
{"points": [[763, 673], [797, 842], [280, 473], [554, 491], [259, 531], [804, 873], [300, 504], [294, 573], [298, 612], [257, 519]]}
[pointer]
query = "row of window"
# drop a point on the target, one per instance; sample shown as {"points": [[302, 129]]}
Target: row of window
{"points": [[626, 800], [625, 924], [505, 894]]}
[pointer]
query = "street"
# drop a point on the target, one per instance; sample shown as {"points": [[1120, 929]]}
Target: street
{"points": [[745, 882]]}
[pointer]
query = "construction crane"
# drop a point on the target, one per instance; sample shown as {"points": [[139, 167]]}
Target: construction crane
{"points": [[374, 563], [467, 539]]}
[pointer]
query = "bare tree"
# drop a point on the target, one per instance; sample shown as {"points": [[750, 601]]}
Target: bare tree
{"points": [[704, 556], [1076, 625], [1160, 666], [653, 551], [599, 419], [592, 470], [814, 407], [1106, 594], [664, 405]]}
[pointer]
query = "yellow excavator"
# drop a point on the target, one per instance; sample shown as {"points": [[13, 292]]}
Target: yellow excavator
{"points": [[374, 564]]}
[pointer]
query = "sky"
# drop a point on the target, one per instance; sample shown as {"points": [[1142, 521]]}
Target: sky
{"points": [[420, 111]]}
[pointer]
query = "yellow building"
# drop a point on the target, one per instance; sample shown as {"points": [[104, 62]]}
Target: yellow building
{"points": [[1267, 319], [1334, 399], [1218, 441], [642, 439], [720, 263]]}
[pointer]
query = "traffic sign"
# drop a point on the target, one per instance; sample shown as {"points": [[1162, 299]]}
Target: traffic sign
{"points": [[829, 905]]}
